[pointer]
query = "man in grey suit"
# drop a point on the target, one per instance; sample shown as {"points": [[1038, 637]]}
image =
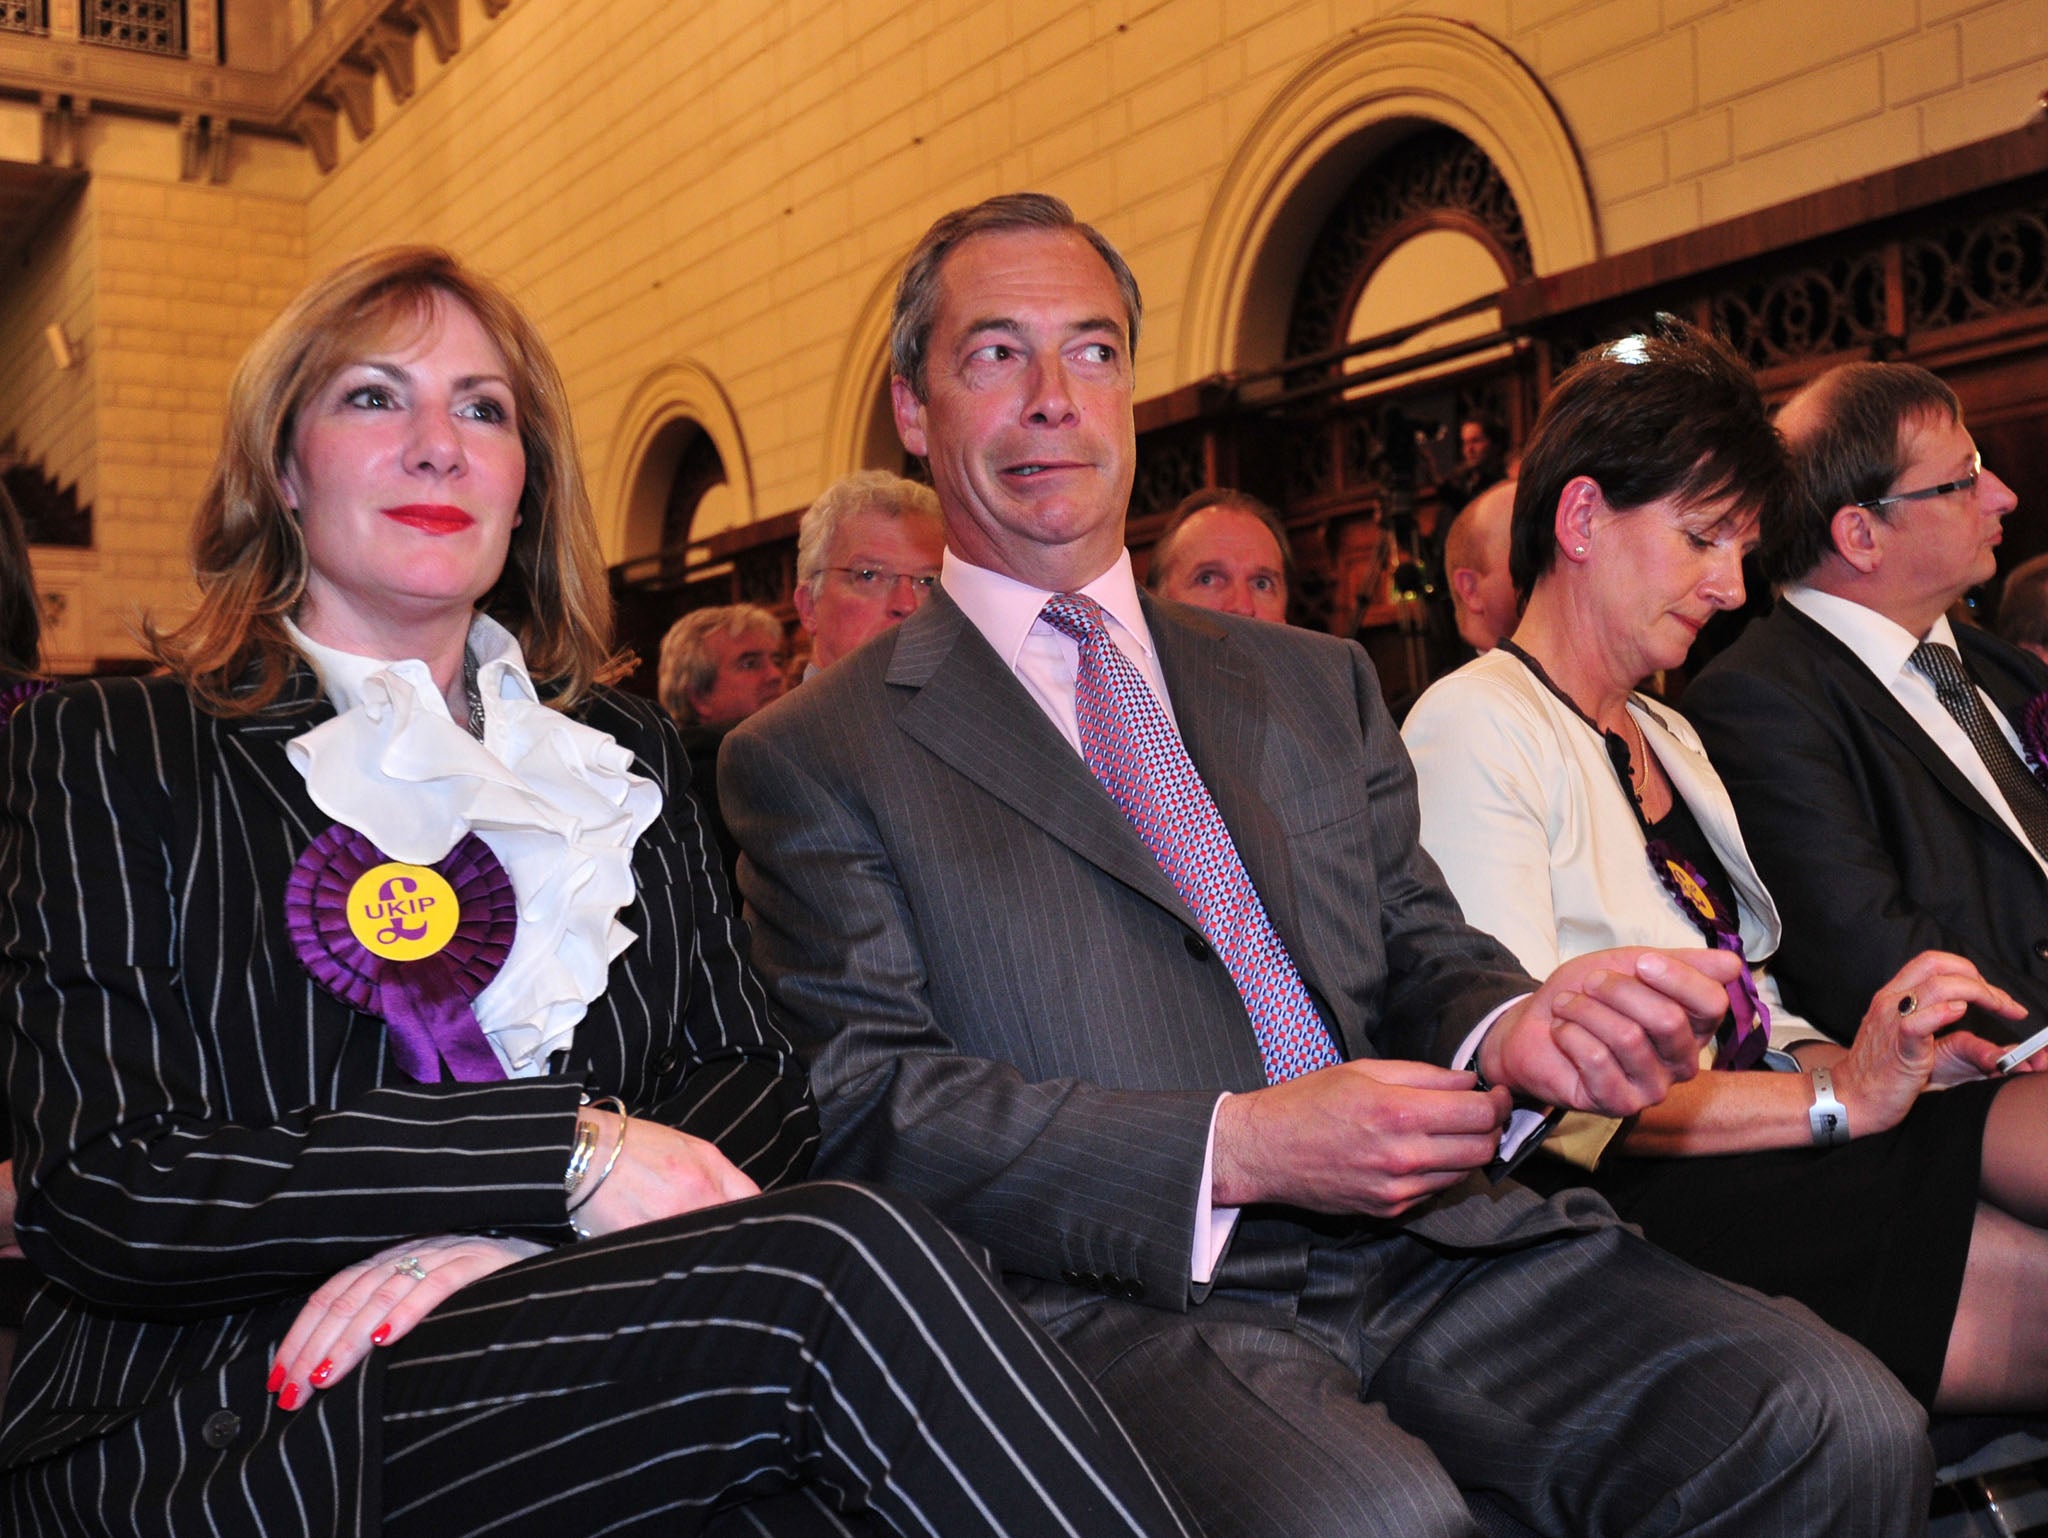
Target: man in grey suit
{"points": [[1312, 1311]]}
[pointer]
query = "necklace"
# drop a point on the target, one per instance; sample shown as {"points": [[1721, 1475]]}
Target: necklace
{"points": [[1638, 756], [473, 693]]}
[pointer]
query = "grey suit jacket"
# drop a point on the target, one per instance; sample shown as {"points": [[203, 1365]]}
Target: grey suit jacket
{"points": [[1007, 1009]]}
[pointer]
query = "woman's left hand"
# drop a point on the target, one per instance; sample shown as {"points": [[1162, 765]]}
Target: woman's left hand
{"points": [[376, 1301]]}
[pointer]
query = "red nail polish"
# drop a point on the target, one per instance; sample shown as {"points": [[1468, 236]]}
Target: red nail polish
{"points": [[323, 1372], [380, 1335], [276, 1379], [289, 1399]]}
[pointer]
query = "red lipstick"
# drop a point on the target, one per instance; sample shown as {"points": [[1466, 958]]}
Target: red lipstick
{"points": [[430, 517]]}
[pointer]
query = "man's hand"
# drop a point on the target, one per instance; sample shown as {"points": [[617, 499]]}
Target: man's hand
{"points": [[1366, 1136], [1896, 1056], [1611, 1031]]}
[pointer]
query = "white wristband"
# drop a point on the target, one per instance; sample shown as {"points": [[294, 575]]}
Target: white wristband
{"points": [[1827, 1118]]}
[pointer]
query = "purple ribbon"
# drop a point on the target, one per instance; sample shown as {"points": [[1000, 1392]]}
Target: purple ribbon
{"points": [[1746, 1037], [18, 695], [425, 1003], [2034, 736]]}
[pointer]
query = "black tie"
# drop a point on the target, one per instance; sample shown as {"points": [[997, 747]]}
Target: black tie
{"points": [[1959, 697]]}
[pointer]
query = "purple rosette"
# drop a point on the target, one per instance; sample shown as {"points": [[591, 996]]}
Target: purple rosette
{"points": [[426, 1001], [1747, 1036], [2034, 736], [15, 696]]}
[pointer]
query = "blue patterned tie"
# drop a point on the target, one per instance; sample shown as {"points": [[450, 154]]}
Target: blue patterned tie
{"points": [[1138, 756]]}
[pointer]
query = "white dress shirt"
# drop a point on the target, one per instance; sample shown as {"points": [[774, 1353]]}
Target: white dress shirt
{"points": [[1886, 649]]}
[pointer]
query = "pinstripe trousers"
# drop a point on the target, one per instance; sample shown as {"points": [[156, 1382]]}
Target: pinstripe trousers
{"points": [[825, 1337]]}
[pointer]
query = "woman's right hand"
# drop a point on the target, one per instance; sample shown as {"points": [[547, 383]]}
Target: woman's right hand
{"points": [[1896, 1056], [662, 1173]]}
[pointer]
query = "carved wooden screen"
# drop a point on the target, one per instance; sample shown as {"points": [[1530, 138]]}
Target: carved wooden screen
{"points": [[150, 26]]}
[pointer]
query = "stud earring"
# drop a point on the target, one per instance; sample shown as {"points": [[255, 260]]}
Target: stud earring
{"points": [[1578, 549]]}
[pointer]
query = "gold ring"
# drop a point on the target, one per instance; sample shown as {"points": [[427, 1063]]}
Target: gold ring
{"points": [[1908, 1003]]}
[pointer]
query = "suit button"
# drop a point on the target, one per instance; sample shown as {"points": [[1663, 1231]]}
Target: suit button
{"points": [[2041, 950], [1090, 1280], [1071, 1277], [1197, 947], [666, 1063], [221, 1428], [1133, 1289]]}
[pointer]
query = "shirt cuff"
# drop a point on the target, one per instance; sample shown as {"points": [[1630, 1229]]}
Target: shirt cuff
{"points": [[1213, 1224], [1523, 1122]]}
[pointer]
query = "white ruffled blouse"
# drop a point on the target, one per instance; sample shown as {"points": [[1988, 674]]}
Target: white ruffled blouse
{"points": [[556, 801]]}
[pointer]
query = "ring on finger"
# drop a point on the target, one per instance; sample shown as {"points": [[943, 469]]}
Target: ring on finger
{"points": [[410, 1266], [1908, 1003]]}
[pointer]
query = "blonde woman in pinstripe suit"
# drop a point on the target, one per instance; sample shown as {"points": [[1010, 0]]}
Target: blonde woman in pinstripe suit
{"points": [[295, 1288]]}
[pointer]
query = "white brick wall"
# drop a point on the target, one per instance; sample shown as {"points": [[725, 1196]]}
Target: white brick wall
{"points": [[727, 184]]}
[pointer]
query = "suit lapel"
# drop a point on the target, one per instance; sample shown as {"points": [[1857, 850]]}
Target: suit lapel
{"points": [[1877, 702], [970, 710], [257, 742]]}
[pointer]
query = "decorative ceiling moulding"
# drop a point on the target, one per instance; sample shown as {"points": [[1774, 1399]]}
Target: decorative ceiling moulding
{"points": [[328, 73], [440, 19], [351, 85], [388, 44], [1319, 131], [202, 148]]}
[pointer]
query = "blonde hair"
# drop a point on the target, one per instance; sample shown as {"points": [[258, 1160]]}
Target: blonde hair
{"points": [[249, 551]]}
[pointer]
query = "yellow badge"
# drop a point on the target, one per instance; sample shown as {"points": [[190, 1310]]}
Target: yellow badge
{"points": [[402, 912], [1694, 893]]}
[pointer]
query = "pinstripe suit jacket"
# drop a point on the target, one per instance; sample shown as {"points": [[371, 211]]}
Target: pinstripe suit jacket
{"points": [[1008, 1010], [203, 1134]]}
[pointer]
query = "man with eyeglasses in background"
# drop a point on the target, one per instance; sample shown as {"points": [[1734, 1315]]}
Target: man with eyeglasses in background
{"points": [[1879, 757], [867, 554]]}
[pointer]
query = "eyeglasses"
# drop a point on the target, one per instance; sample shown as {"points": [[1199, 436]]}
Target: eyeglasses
{"points": [[1925, 493], [879, 579]]}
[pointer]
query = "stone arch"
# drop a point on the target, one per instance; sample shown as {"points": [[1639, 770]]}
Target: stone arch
{"points": [[647, 448], [1367, 90], [852, 431]]}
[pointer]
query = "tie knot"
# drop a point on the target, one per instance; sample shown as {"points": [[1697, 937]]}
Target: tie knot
{"points": [[1075, 615], [1941, 665]]}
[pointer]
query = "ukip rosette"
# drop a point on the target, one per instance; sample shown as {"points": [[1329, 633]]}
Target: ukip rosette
{"points": [[2034, 735], [1748, 1033], [18, 695], [411, 944]]}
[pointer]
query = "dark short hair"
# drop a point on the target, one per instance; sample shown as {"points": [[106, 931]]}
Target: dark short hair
{"points": [[1201, 501], [2023, 603], [917, 296], [1847, 437], [21, 620], [1670, 412]]}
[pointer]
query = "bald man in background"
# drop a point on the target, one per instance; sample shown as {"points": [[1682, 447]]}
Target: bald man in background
{"points": [[1476, 568]]}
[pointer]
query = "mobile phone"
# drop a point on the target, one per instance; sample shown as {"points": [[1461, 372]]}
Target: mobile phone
{"points": [[2025, 1050]]}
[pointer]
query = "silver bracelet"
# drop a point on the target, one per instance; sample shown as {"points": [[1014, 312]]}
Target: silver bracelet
{"points": [[1827, 1118], [579, 1156], [610, 1164]]}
